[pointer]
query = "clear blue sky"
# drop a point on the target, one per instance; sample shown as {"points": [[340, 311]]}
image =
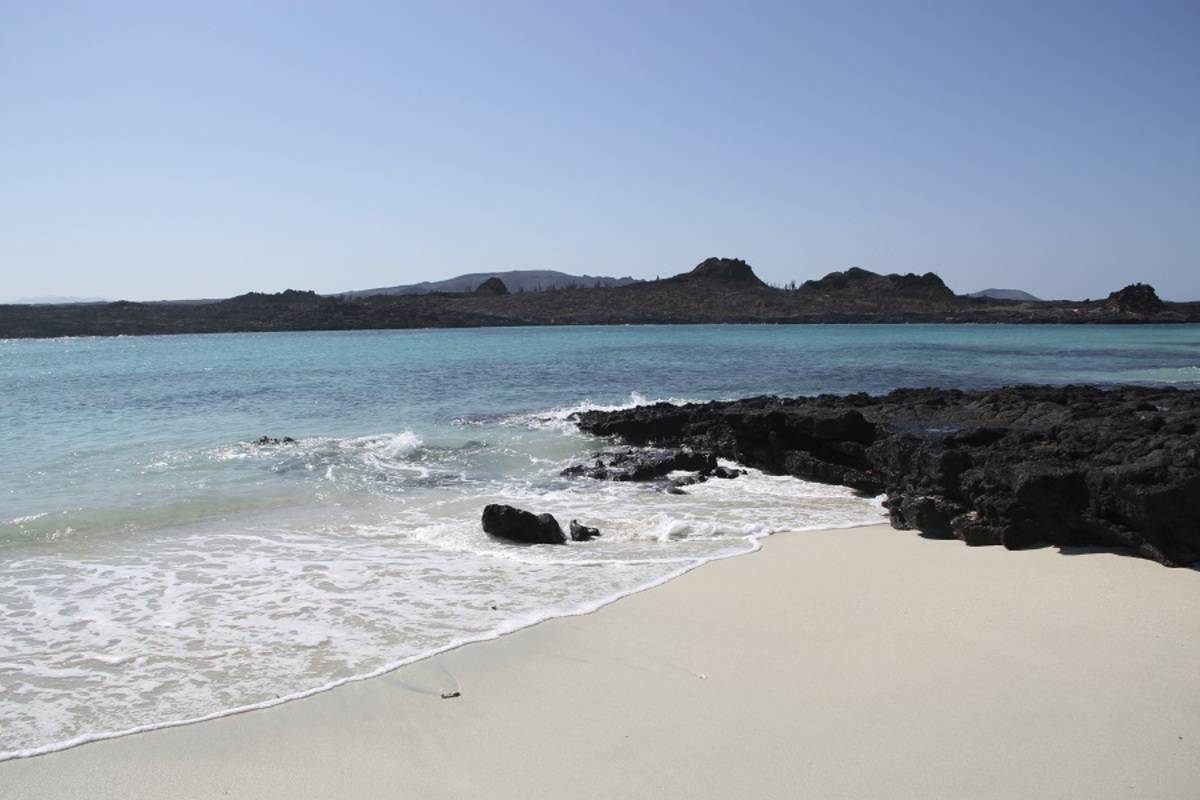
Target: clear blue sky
{"points": [[209, 148]]}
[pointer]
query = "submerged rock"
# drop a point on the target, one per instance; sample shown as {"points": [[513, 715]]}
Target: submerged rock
{"points": [[506, 522], [270, 440]]}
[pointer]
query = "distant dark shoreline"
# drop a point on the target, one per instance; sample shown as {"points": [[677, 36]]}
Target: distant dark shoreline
{"points": [[718, 291]]}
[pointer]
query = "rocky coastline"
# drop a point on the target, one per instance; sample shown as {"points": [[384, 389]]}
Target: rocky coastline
{"points": [[1072, 466], [716, 291]]}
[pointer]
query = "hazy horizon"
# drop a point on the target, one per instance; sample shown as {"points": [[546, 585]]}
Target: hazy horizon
{"points": [[156, 153]]}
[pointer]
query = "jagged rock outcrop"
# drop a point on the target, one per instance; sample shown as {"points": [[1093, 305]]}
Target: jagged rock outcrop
{"points": [[1072, 466], [1138, 298], [288, 297], [644, 465], [866, 283], [729, 271]]}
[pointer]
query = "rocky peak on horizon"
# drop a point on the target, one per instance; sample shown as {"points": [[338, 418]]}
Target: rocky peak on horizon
{"points": [[863, 281], [265, 298], [722, 270], [1136, 297]]}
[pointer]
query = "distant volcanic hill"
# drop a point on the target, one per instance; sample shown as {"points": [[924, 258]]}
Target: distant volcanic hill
{"points": [[1006, 294], [56, 300], [516, 280], [865, 283]]}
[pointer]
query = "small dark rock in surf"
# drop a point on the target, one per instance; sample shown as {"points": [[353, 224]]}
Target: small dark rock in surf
{"points": [[582, 533], [727, 472], [514, 524], [271, 440]]}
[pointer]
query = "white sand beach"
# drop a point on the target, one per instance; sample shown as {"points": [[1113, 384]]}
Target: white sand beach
{"points": [[857, 663]]}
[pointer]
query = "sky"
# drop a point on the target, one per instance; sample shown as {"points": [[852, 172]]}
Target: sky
{"points": [[184, 150]]}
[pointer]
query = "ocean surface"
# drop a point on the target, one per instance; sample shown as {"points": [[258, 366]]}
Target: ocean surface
{"points": [[157, 567]]}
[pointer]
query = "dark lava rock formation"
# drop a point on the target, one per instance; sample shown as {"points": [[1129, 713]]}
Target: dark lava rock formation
{"points": [[1071, 466], [650, 464], [506, 522], [645, 465], [1137, 298]]}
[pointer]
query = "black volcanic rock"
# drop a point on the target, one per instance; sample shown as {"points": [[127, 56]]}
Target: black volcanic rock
{"points": [[1139, 298], [828, 446], [506, 522], [493, 287], [286, 297], [582, 533], [645, 465], [1071, 466]]}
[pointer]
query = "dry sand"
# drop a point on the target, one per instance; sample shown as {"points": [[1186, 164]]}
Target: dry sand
{"points": [[862, 663]]}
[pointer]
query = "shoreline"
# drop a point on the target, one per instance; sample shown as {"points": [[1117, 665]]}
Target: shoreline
{"points": [[154, 727], [754, 544], [935, 664]]}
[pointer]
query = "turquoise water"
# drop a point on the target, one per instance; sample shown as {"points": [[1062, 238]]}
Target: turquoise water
{"points": [[158, 567]]}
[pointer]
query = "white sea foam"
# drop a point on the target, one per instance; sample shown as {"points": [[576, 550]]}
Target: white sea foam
{"points": [[395, 445], [1176, 375], [27, 518], [270, 600], [511, 625], [560, 419], [1170, 376]]}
